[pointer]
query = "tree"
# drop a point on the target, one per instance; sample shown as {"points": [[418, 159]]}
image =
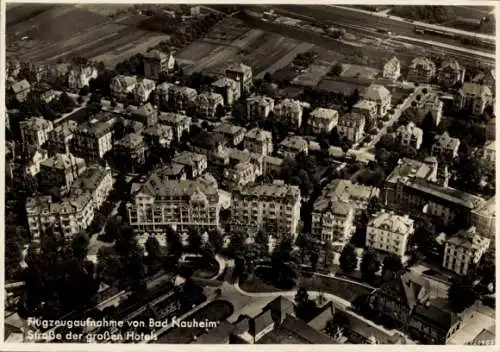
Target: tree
{"points": [[195, 240], [336, 70], [374, 205], [216, 239], [153, 248], [220, 111], [305, 308], [348, 259], [461, 294], [392, 264], [80, 245], [369, 266], [174, 243], [328, 250], [268, 78], [353, 98]]}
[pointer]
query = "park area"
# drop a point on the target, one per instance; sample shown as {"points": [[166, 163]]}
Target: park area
{"points": [[44, 34], [214, 311]]}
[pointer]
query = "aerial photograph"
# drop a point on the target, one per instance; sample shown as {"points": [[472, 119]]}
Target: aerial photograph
{"points": [[249, 174]]}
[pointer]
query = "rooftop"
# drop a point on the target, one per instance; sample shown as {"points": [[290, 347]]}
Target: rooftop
{"points": [[364, 104], [91, 178], [351, 119], [156, 55], [259, 134], [475, 89], [447, 142], [159, 186], [410, 168], [325, 114], [411, 129], [468, 239], [100, 125], [261, 100], [229, 129], [188, 158], [242, 68], [437, 313], [422, 61], [131, 141], [376, 92], [294, 142], [172, 118], [345, 190], [20, 86], [63, 161], [35, 123], [270, 190], [392, 222], [225, 82]]}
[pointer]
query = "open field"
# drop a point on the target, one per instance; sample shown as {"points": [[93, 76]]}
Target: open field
{"points": [[359, 71], [58, 32], [329, 85], [263, 51]]}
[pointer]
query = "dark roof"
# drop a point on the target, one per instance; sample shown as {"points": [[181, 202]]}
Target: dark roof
{"points": [[402, 290], [261, 322], [436, 313], [280, 307], [220, 334], [305, 332]]}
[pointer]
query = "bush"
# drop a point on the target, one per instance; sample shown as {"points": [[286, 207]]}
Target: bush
{"points": [[373, 131], [380, 124], [368, 139]]}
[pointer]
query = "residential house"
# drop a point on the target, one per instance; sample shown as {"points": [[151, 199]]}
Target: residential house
{"points": [[229, 157], [35, 131], [381, 96], [389, 232], [81, 76], [158, 136], [274, 207], [207, 143], [20, 90], [93, 139], [97, 181], [208, 105], [181, 98], [332, 221], [293, 145], [179, 123], [473, 98], [143, 89], [233, 134], [486, 78], [259, 141], [428, 103], [156, 62], [228, 88], [243, 74], [58, 173], [60, 138], [272, 165], [421, 70], [122, 86], [130, 151], [160, 202], [162, 93], [238, 175], [463, 251], [32, 161], [194, 163], [410, 135], [259, 107], [47, 96], [68, 218], [416, 187], [450, 73], [445, 146], [146, 114], [172, 171], [392, 69], [484, 220], [323, 120], [366, 108], [289, 111], [352, 127], [344, 191]]}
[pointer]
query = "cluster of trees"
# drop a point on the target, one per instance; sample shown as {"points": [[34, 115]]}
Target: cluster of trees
{"points": [[428, 13], [131, 66], [305, 59], [58, 277], [302, 172], [182, 31], [34, 106], [305, 308]]}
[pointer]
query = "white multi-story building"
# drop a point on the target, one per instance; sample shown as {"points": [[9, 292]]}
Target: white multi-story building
{"points": [[464, 250], [392, 69], [293, 145], [389, 232], [259, 141], [273, 207], [323, 120], [259, 107], [35, 131], [93, 139], [410, 135], [332, 221], [289, 111], [69, 217], [58, 172], [161, 202], [178, 122], [474, 98], [381, 96]]}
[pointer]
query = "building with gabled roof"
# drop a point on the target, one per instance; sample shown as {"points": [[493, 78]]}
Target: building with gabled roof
{"points": [[156, 62], [323, 120], [241, 73], [35, 130], [233, 134], [293, 145], [450, 73], [229, 89], [463, 250], [389, 232], [207, 104], [96, 180], [473, 98], [332, 221], [58, 173], [259, 107], [94, 138], [130, 151], [179, 123], [392, 69], [20, 89], [352, 127], [445, 146], [195, 163], [410, 135], [421, 70], [366, 108], [289, 111], [258, 141], [380, 95], [487, 78]]}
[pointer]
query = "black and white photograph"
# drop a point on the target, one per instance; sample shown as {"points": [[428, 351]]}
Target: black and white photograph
{"points": [[250, 174]]}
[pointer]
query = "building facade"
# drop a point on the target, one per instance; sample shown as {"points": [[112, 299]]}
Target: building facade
{"points": [[421, 70], [161, 202], [445, 146], [352, 127], [93, 139], [259, 107], [130, 151], [234, 135], [207, 105], [392, 69], [289, 111], [274, 207], [332, 221], [410, 135], [243, 74], [194, 163], [463, 251], [35, 131], [293, 145], [179, 123], [258, 141], [58, 173], [229, 89], [389, 232], [473, 98], [156, 62], [323, 120], [381, 96], [450, 74]]}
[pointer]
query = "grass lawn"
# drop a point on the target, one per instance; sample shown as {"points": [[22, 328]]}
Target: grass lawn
{"points": [[214, 311]]}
